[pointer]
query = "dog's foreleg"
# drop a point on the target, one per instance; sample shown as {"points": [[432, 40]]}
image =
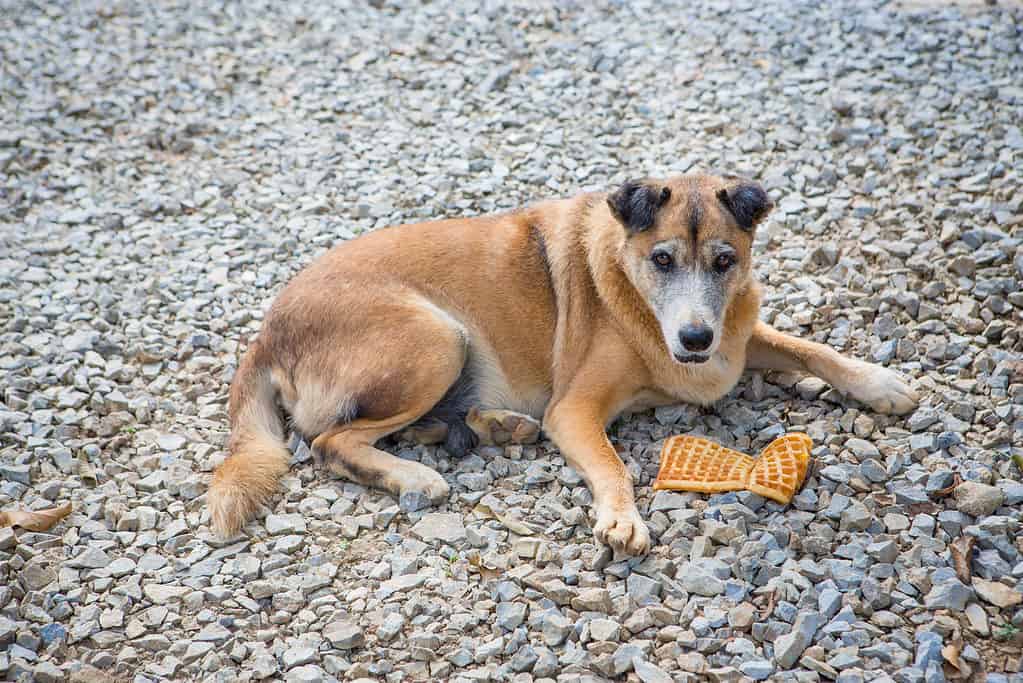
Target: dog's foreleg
{"points": [[884, 390], [576, 424]]}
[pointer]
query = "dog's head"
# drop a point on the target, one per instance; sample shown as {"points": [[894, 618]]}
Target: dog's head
{"points": [[687, 252]]}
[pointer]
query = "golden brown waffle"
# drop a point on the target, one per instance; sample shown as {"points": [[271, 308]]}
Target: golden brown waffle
{"points": [[781, 468], [692, 463]]}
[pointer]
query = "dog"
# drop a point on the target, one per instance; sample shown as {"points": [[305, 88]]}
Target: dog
{"points": [[570, 311]]}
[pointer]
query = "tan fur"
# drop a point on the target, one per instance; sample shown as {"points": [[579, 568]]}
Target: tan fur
{"points": [[549, 308], [259, 459], [501, 427]]}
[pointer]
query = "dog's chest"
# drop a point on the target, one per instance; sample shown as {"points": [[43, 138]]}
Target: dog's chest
{"points": [[701, 384]]}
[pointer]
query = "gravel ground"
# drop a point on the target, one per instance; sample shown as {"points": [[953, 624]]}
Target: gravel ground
{"points": [[164, 169]]}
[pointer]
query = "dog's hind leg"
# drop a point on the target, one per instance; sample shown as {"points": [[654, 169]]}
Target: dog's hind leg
{"points": [[427, 431], [500, 427], [349, 452], [392, 385]]}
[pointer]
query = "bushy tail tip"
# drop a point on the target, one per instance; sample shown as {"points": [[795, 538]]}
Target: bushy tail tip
{"points": [[243, 482]]}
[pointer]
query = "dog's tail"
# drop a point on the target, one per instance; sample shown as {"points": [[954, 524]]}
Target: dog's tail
{"points": [[258, 456]]}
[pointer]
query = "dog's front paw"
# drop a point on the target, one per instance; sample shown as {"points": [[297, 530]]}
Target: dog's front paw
{"points": [[884, 390], [623, 530]]}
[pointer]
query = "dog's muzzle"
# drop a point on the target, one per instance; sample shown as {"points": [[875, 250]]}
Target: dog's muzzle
{"points": [[691, 357]]}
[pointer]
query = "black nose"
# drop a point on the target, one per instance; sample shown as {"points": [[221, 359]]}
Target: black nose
{"points": [[696, 337]]}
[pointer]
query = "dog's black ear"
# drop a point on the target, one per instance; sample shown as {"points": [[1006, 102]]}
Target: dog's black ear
{"points": [[747, 202], [635, 204]]}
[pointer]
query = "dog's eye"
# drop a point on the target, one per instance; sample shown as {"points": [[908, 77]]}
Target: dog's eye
{"points": [[663, 261], [723, 262]]}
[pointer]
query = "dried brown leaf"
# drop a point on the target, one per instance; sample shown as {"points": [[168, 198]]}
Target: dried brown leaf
{"points": [[486, 573], [517, 526], [86, 471], [962, 554], [948, 490], [37, 520], [951, 654]]}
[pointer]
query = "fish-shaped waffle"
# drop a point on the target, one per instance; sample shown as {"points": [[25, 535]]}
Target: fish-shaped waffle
{"points": [[693, 463]]}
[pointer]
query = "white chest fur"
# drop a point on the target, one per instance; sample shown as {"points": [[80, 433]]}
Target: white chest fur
{"points": [[701, 383]]}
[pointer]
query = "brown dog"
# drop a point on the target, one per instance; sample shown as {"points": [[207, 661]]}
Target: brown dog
{"points": [[572, 310]]}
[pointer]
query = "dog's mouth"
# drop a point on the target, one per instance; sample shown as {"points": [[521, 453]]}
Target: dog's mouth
{"points": [[692, 357]]}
